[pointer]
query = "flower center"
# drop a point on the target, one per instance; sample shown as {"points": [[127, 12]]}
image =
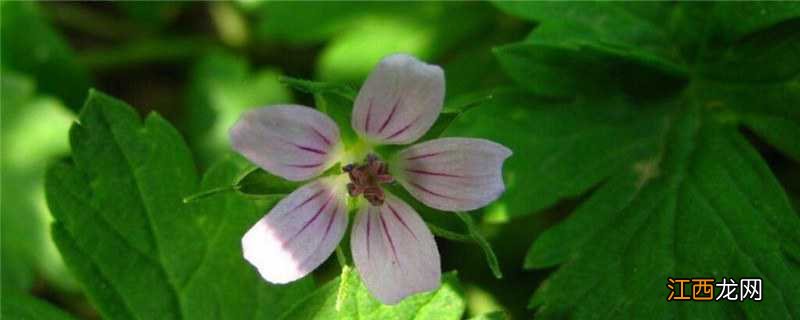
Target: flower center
{"points": [[366, 179]]}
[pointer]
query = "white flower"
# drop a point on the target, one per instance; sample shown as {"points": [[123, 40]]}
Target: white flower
{"points": [[393, 249]]}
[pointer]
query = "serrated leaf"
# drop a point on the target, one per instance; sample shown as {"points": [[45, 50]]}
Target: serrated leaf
{"points": [[139, 251], [710, 208], [447, 302], [696, 199]]}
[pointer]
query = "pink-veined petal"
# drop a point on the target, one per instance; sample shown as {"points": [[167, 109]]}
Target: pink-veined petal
{"points": [[394, 251], [400, 100], [299, 233], [291, 141], [453, 174]]}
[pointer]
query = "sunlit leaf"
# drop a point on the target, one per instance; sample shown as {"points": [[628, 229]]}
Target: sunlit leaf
{"points": [[445, 303], [426, 30], [125, 232]]}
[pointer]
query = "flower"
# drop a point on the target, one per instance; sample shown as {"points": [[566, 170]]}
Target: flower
{"points": [[393, 250]]}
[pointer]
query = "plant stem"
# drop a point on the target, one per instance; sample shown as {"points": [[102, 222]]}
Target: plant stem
{"points": [[491, 258], [449, 235]]}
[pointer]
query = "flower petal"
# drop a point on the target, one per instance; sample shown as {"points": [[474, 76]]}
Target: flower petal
{"points": [[394, 251], [400, 100], [290, 141], [299, 233], [453, 174]]}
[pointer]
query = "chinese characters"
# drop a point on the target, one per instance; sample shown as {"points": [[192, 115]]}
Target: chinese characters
{"points": [[703, 289]]}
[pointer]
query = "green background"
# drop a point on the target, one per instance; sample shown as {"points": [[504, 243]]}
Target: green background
{"points": [[650, 140]]}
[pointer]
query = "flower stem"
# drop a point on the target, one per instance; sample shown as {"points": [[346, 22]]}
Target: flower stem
{"points": [[449, 235], [491, 258]]}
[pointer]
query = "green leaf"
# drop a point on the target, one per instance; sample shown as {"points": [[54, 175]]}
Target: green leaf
{"points": [[316, 87], [445, 303], [31, 46], [632, 24], [684, 194], [731, 21], [561, 149], [139, 251], [565, 71], [257, 182], [453, 109], [16, 306], [779, 132], [710, 208], [634, 31]]}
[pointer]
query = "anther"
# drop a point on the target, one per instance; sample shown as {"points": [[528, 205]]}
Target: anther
{"points": [[366, 179]]}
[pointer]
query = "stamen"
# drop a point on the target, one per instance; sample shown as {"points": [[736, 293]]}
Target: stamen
{"points": [[366, 179]]}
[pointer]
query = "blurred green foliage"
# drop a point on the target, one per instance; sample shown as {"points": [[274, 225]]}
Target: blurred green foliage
{"points": [[222, 86], [34, 130], [647, 140], [39, 71], [31, 46], [18, 306]]}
